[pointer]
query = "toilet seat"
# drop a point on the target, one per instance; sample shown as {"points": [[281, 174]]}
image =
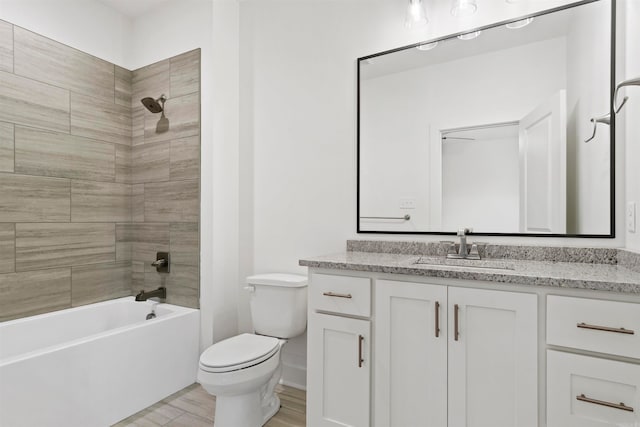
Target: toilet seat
{"points": [[239, 352]]}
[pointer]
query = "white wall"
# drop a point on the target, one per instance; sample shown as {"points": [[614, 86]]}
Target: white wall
{"points": [[629, 125], [588, 96], [87, 25]]}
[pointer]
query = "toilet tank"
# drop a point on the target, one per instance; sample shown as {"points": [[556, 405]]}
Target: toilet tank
{"points": [[278, 304]]}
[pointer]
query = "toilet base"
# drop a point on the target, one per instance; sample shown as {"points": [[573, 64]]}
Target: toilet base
{"points": [[244, 410], [271, 410]]}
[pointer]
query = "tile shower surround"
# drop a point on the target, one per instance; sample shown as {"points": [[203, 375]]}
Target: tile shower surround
{"points": [[89, 191]]}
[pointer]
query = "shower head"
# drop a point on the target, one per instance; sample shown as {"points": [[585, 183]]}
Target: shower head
{"points": [[153, 105]]}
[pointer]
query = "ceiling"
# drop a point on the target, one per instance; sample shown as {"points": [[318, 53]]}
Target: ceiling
{"points": [[133, 8]]}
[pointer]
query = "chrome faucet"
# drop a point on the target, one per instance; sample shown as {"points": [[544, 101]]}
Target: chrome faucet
{"points": [[462, 233], [161, 292], [463, 251]]}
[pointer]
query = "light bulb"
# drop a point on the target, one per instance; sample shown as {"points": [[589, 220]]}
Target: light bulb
{"points": [[463, 7], [427, 46], [469, 36], [416, 14], [519, 24]]}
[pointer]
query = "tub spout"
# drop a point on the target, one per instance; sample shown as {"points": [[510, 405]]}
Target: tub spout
{"points": [[161, 292]]}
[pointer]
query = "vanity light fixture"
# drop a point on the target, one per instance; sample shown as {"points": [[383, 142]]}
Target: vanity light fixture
{"points": [[463, 7], [427, 46], [469, 36], [519, 24], [416, 14]]}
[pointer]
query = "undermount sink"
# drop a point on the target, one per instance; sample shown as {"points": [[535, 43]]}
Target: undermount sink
{"points": [[469, 263]]}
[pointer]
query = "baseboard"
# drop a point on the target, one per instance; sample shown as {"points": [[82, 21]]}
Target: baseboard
{"points": [[294, 376]]}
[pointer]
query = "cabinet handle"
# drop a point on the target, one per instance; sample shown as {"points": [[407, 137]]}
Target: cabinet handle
{"points": [[333, 294], [620, 405], [606, 329], [437, 319], [456, 331], [360, 359]]}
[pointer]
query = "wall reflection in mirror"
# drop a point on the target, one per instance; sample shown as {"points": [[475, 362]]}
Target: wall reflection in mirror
{"points": [[489, 132]]}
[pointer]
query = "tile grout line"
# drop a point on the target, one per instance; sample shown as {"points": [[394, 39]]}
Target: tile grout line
{"points": [[13, 126], [70, 201], [69, 92], [15, 247], [13, 54], [49, 130], [20, 174]]}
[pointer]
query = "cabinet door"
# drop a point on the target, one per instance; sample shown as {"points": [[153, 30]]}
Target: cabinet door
{"points": [[338, 379], [584, 391], [493, 358], [410, 356]]}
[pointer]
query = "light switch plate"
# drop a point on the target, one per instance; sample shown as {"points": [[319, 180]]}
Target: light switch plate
{"points": [[631, 217]]}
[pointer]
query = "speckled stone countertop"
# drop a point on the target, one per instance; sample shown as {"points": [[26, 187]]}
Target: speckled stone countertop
{"points": [[616, 271]]}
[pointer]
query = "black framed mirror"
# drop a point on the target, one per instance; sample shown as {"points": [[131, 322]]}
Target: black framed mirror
{"points": [[506, 129]]}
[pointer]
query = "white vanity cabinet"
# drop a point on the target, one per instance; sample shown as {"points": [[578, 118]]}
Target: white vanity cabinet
{"points": [[339, 349], [454, 356], [419, 372], [592, 390]]}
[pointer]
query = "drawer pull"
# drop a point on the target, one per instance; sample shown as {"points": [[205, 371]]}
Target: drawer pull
{"points": [[360, 359], [620, 405], [437, 319], [333, 294], [456, 331], [606, 329]]}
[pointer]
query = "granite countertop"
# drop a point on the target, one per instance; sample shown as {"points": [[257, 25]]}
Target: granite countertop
{"points": [[606, 276]]}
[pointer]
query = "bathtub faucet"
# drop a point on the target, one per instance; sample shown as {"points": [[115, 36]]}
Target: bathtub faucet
{"points": [[161, 292]]}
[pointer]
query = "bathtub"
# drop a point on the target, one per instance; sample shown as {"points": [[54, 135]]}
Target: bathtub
{"points": [[94, 365]]}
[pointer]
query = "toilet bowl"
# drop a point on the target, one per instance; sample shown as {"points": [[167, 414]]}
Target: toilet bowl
{"points": [[242, 371]]}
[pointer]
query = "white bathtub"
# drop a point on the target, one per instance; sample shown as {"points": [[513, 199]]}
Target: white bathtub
{"points": [[94, 365]]}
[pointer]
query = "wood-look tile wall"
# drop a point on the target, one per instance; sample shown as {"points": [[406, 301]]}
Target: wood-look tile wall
{"points": [[166, 178], [89, 187]]}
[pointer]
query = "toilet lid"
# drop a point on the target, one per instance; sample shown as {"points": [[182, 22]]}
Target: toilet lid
{"points": [[238, 352]]}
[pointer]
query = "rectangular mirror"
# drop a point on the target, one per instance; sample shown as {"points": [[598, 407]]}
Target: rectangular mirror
{"points": [[487, 129]]}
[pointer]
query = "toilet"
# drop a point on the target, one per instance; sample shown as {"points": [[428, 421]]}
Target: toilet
{"points": [[242, 371]]}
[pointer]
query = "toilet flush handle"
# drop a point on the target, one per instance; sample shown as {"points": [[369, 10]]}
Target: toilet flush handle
{"points": [[250, 288]]}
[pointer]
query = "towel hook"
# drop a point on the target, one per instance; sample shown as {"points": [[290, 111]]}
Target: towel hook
{"points": [[605, 119], [629, 82]]}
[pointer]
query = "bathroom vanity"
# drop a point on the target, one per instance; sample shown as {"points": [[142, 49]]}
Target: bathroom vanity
{"points": [[410, 339], [399, 335]]}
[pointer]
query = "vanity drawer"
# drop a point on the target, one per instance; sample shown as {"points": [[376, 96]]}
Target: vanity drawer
{"points": [[340, 294], [603, 326], [585, 391]]}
